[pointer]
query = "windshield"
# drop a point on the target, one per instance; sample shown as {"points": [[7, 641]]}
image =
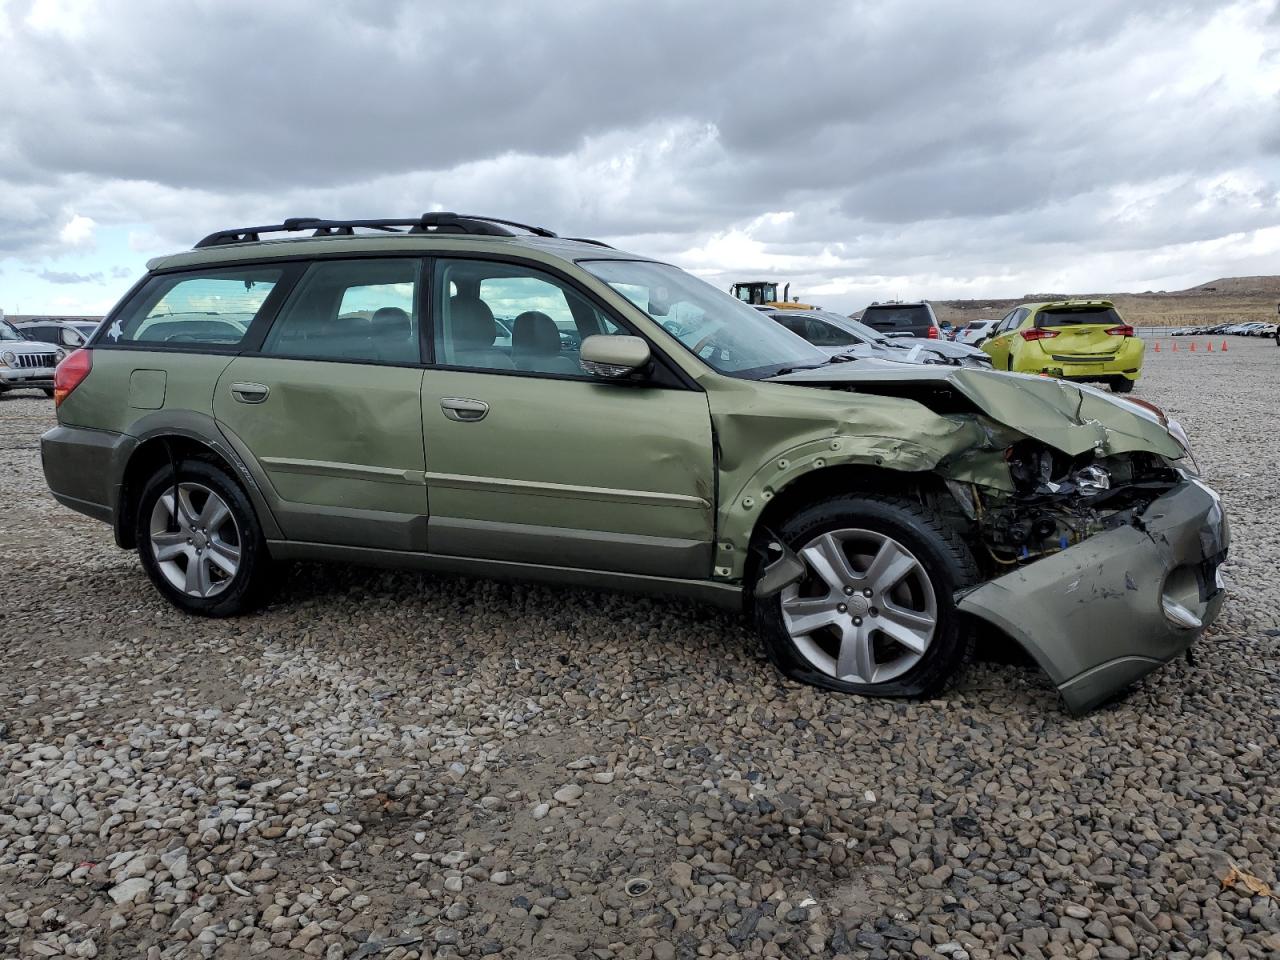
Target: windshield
{"points": [[7, 332], [722, 331]]}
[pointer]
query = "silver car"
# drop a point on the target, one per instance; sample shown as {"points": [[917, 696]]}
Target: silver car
{"points": [[840, 335], [25, 363]]}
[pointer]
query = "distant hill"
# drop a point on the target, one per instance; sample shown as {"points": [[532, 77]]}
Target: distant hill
{"points": [[1270, 286], [1234, 299]]}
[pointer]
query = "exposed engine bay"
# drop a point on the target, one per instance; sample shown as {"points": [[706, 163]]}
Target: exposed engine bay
{"points": [[1059, 501]]}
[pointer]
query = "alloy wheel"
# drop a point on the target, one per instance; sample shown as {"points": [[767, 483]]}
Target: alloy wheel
{"points": [[196, 542], [865, 612]]}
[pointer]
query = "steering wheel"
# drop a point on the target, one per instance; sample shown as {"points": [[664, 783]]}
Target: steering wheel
{"points": [[697, 347]]}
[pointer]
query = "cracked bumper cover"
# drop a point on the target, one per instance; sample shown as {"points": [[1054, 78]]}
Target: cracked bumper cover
{"points": [[1094, 616]]}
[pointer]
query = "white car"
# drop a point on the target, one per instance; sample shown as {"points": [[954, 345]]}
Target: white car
{"points": [[25, 363], [975, 332]]}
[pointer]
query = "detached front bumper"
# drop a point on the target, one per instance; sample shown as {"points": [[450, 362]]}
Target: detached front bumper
{"points": [[1105, 612]]}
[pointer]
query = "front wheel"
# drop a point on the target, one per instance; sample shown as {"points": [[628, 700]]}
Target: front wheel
{"points": [[200, 542], [874, 613], [1121, 385]]}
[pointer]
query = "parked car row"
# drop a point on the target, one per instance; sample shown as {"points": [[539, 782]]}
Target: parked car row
{"points": [[1254, 328], [356, 404]]}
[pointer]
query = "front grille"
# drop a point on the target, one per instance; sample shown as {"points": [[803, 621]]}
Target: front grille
{"points": [[29, 361], [1084, 358]]}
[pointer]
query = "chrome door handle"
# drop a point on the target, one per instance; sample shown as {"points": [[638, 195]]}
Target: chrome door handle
{"points": [[463, 410], [250, 392]]}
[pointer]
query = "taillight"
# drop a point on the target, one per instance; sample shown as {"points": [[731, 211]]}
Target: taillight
{"points": [[70, 373], [1038, 333], [1123, 330], [933, 333]]}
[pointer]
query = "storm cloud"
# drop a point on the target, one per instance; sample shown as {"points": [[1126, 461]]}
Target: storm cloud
{"points": [[856, 149]]}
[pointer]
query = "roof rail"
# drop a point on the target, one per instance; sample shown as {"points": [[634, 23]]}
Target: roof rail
{"points": [[594, 243], [427, 223]]}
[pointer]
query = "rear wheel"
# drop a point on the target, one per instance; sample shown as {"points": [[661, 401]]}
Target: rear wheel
{"points": [[874, 613], [1121, 385], [200, 541]]}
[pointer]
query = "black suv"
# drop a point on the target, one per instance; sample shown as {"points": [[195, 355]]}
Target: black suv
{"points": [[903, 320]]}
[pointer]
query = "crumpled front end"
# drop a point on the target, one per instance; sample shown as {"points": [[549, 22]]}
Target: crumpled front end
{"points": [[1101, 613]]}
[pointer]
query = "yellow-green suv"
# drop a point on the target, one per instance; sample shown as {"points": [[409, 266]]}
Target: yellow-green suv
{"points": [[457, 393]]}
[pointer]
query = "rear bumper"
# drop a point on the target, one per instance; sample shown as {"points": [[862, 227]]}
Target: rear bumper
{"points": [[1125, 362], [1097, 616], [83, 468]]}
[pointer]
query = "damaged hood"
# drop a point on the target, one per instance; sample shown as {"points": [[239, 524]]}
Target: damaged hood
{"points": [[1068, 416]]}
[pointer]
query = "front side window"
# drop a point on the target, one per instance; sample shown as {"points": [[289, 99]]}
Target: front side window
{"points": [[7, 331], [502, 316], [358, 310], [205, 308], [722, 331]]}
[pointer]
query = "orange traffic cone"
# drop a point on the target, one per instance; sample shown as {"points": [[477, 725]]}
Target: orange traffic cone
{"points": [[1224, 346], [1175, 346], [1193, 346], [1157, 346], [1209, 346]]}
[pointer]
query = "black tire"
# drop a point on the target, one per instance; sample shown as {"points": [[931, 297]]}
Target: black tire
{"points": [[1121, 385], [945, 559], [248, 588]]}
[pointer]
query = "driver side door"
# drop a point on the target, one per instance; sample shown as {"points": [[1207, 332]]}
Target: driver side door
{"points": [[998, 347], [531, 460]]}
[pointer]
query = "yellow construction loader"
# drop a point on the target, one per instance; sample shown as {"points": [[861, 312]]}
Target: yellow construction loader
{"points": [[759, 293]]}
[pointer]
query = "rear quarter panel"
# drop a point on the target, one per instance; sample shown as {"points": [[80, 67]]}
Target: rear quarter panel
{"points": [[112, 398]]}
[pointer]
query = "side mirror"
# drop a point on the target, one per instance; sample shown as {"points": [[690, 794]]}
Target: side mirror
{"points": [[611, 356]]}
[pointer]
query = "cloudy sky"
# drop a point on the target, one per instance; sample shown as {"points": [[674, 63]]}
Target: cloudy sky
{"points": [[859, 150]]}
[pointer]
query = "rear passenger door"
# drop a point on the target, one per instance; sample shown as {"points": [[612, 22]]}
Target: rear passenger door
{"points": [[529, 459], [328, 405]]}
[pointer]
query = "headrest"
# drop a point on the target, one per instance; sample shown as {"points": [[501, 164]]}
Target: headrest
{"points": [[535, 333], [390, 322], [473, 324]]}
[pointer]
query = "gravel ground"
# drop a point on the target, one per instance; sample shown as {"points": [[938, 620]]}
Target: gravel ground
{"points": [[398, 765]]}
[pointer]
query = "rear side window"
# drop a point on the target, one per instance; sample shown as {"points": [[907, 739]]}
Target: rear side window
{"points": [[1071, 316], [212, 308], [817, 332], [359, 310]]}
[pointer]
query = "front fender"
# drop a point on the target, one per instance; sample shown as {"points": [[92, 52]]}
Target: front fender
{"points": [[766, 446]]}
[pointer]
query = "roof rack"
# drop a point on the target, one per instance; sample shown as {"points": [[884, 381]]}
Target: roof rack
{"points": [[427, 223]]}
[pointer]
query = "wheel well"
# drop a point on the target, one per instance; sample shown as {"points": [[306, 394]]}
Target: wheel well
{"points": [[149, 457], [832, 481]]}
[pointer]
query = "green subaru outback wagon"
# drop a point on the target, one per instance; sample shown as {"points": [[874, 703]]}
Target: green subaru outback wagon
{"points": [[465, 394]]}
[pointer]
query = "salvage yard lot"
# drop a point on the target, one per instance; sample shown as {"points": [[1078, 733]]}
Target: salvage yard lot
{"points": [[471, 768]]}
